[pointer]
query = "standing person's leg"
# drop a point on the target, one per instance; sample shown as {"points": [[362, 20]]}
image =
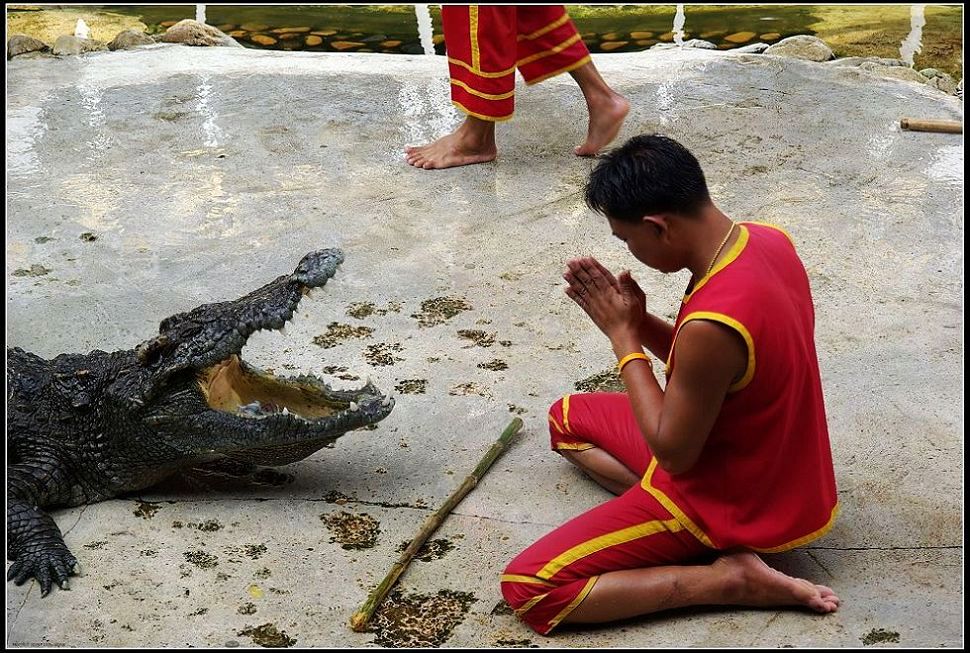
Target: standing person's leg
{"points": [[548, 44], [481, 62]]}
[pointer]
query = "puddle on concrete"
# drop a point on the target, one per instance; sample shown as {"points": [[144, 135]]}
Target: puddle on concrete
{"points": [[418, 620], [201, 559], [383, 353], [495, 365], [337, 332], [880, 636], [480, 338], [352, 531], [439, 310], [605, 381], [430, 550], [412, 386], [268, 636], [146, 510]]}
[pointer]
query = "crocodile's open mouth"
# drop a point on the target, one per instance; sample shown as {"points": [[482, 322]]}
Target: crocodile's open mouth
{"points": [[232, 386]]}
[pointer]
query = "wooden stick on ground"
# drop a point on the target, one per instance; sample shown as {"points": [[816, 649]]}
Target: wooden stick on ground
{"points": [[358, 622], [921, 125]]}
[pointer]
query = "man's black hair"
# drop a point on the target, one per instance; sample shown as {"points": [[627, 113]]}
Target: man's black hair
{"points": [[649, 175]]}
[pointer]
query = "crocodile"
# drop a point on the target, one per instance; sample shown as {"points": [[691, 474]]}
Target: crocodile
{"points": [[84, 428]]}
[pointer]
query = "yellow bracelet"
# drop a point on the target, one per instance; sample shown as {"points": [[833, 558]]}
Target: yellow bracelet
{"points": [[637, 355]]}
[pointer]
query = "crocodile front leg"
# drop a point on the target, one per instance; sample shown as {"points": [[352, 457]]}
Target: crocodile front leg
{"points": [[34, 542]]}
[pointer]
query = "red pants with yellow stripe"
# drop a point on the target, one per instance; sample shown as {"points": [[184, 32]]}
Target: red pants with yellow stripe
{"points": [[486, 43], [547, 581]]}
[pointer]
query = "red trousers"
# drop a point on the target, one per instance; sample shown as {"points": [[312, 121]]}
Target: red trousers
{"points": [[547, 581], [486, 43]]}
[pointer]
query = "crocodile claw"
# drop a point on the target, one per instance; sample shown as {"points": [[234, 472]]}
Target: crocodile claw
{"points": [[50, 564]]}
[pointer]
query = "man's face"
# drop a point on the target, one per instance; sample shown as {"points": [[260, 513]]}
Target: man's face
{"points": [[648, 241]]}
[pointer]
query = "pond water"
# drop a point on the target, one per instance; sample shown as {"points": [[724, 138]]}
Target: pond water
{"points": [[925, 35]]}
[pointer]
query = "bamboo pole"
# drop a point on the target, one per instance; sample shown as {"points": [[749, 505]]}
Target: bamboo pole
{"points": [[358, 622], [923, 125]]}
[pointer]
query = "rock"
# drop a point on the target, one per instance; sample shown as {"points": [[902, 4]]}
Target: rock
{"points": [[375, 38], [712, 34], [752, 48], [802, 47], [70, 45], [667, 36], [192, 32], [291, 30], [641, 35], [740, 37], [612, 45], [19, 44], [390, 44], [253, 27], [930, 72], [438, 39], [290, 36], [238, 33], [701, 44], [168, 23], [262, 39], [324, 32], [226, 27], [313, 41], [855, 61], [412, 48], [893, 72], [612, 36], [130, 38], [646, 42], [770, 36], [348, 45], [945, 83]]}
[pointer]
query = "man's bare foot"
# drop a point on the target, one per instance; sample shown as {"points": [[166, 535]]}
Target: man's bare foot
{"points": [[473, 142], [755, 583], [606, 116]]}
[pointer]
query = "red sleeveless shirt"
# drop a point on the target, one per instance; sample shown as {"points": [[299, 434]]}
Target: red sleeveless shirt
{"points": [[764, 480]]}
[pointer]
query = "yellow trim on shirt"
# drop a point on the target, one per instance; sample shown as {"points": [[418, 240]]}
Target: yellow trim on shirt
{"points": [[551, 51], [565, 414], [615, 538], [576, 446], [487, 96], [528, 606], [773, 226], [732, 254], [544, 30], [737, 326], [814, 535], [573, 604]]}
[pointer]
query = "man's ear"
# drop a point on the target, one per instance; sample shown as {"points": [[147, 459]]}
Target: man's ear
{"points": [[657, 223]]}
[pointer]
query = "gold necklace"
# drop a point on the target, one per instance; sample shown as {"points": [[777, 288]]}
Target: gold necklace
{"points": [[719, 248]]}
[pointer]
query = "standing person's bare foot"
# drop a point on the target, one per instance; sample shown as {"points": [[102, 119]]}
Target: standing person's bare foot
{"points": [[473, 142], [606, 116], [757, 584]]}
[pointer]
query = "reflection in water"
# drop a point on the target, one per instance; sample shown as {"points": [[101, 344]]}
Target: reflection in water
{"points": [[947, 164], [92, 98], [913, 44], [425, 30], [679, 19]]}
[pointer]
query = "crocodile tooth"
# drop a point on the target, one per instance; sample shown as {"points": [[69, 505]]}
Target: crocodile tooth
{"points": [[386, 401], [285, 411], [353, 405]]}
